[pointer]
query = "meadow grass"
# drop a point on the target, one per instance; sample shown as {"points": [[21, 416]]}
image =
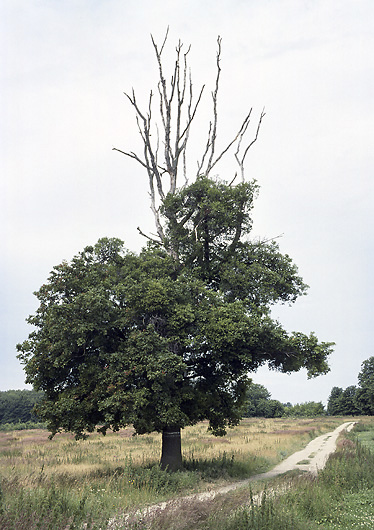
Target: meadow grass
{"points": [[65, 484], [340, 497]]}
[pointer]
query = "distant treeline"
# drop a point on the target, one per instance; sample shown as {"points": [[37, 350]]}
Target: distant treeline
{"points": [[352, 401], [16, 406], [355, 400], [260, 405]]}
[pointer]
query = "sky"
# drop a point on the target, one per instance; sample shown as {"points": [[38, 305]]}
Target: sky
{"points": [[64, 69]]}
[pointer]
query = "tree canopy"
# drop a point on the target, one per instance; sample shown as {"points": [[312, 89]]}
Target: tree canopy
{"points": [[343, 402], [309, 409], [16, 406], [365, 391], [355, 400], [334, 404], [259, 403], [145, 339]]}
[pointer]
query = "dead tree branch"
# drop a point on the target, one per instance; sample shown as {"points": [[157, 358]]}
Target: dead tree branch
{"points": [[165, 151], [241, 135], [177, 110], [210, 147]]}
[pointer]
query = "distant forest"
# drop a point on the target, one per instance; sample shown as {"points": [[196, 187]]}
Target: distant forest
{"points": [[16, 406]]}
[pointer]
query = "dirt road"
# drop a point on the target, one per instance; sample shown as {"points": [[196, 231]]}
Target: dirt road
{"points": [[312, 458]]}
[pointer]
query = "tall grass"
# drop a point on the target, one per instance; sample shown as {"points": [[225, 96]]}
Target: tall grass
{"points": [[66, 484], [340, 497]]}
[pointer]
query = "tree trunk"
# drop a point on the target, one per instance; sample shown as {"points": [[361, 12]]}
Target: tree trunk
{"points": [[171, 456]]}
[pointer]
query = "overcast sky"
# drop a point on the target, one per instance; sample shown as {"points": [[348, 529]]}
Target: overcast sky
{"points": [[64, 68]]}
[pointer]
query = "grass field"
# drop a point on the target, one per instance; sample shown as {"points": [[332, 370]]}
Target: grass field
{"points": [[340, 497], [67, 484]]}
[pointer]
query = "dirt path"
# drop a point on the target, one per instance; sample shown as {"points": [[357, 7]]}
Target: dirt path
{"points": [[312, 459]]}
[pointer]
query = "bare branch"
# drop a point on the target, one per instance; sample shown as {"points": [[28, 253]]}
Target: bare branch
{"points": [[241, 160], [215, 114], [264, 241], [148, 237], [165, 103], [243, 127], [177, 110], [210, 147], [134, 156], [200, 166], [255, 138], [232, 182], [191, 116], [165, 39]]}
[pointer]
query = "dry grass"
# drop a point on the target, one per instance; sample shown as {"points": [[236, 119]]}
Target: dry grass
{"points": [[102, 477], [31, 452], [272, 439]]}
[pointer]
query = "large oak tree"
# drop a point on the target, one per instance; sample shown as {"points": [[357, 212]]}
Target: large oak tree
{"points": [[168, 337]]}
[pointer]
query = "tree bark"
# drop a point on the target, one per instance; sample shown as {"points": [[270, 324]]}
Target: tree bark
{"points": [[171, 456]]}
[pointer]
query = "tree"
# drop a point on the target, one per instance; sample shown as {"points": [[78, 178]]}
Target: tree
{"points": [[167, 337], [334, 404], [122, 339], [256, 395], [365, 393], [348, 401], [16, 406], [309, 409], [259, 404], [355, 400]]}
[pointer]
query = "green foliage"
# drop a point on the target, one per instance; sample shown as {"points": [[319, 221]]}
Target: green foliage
{"points": [[205, 224], [365, 392], [206, 220], [166, 337], [343, 402], [355, 400], [16, 406], [334, 401], [310, 409], [258, 403]]}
